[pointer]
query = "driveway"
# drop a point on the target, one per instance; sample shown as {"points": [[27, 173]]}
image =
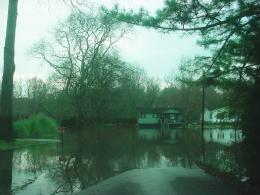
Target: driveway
{"points": [[161, 181]]}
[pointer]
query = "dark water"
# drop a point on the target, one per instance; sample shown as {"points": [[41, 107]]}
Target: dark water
{"points": [[87, 159]]}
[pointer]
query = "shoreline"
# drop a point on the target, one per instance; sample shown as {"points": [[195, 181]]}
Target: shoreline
{"points": [[20, 143]]}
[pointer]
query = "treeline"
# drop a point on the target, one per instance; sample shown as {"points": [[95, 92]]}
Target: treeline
{"points": [[91, 83], [114, 104], [108, 104]]}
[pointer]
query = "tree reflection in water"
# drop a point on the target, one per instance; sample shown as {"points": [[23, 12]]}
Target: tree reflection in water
{"points": [[90, 158], [6, 163], [103, 153], [97, 155]]}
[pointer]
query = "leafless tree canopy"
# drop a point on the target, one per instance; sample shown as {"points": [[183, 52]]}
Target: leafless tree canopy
{"points": [[82, 50]]}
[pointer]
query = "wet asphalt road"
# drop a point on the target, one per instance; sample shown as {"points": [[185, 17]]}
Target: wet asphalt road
{"points": [[161, 181]]}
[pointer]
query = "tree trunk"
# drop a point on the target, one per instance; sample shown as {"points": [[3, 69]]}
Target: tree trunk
{"points": [[6, 113], [6, 164]]}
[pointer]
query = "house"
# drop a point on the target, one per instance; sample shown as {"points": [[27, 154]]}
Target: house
{"points": [[221, 115], [158, 116]]}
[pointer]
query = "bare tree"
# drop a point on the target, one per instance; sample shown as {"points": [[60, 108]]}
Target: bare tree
{"points": [[82, 53]]}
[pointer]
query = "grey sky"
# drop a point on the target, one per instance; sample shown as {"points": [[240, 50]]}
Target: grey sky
{"points": [[157, 53]]}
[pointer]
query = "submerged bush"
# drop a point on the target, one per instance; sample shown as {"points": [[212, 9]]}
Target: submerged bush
{"points": [[36, 126]]}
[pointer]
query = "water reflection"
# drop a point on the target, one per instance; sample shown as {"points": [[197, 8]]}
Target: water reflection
{"points": [[153, 134], [223, 136], [6, 158], [90, 158], [149, 134]]}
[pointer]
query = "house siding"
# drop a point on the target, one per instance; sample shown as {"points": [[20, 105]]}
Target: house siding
{"points": [[159, 116], [213, 116], [148, 118]]}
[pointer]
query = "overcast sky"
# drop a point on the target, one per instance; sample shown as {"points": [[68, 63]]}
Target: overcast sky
{"points": [[157, 53]]}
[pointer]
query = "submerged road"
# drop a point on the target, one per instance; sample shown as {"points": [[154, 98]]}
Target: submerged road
{"points": [[161, 181]]}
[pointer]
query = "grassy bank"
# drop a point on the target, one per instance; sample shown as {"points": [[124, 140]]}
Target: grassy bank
{"points": [[35, 130]]}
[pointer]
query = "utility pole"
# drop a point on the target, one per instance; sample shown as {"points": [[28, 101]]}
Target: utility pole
{"points": [[202, 118]]}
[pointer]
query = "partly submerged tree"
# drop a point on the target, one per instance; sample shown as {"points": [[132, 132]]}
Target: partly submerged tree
{"points": [[6, 164], [6, 112]]}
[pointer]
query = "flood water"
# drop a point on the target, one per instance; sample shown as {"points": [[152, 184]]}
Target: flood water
{"points": [[90, 158]]}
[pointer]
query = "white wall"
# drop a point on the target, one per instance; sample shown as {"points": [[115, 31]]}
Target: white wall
{"points": [[212, 116]]}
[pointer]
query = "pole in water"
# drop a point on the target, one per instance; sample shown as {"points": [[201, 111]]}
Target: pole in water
{"points": [[62, 143], [62, 130], [202, 118]]}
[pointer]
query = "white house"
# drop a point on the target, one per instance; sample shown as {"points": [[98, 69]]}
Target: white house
{"points": [[220, 115]]}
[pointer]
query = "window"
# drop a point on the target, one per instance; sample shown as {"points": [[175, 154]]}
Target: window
{"points": [[172, 116], [210, 116], [142, 115], [156, 115]]}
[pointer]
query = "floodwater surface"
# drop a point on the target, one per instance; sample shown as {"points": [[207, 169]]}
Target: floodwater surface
{"points": [[88, 159]]}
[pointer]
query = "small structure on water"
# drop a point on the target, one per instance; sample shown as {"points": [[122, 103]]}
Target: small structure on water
{"points": [[159, 117], [163, 122]]}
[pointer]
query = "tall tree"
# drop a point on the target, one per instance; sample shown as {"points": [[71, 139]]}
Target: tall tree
{"points": [[9, 68]]}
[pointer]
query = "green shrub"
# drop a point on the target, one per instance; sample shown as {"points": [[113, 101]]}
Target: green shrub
{"points": [[36, 126], [22, 128]]}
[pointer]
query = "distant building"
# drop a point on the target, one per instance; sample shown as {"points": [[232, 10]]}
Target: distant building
{"points": [[158, 116], [221, 115]]}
